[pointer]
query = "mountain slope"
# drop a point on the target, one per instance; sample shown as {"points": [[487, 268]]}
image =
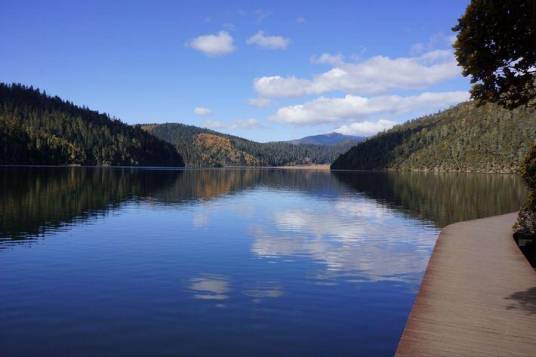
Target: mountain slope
{"points": [[207, 148], [463, 138], [19, 146], [328, 139], [39, 129]]}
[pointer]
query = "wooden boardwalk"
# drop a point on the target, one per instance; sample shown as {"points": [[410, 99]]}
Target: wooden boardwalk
{"points": [[478, 295]]}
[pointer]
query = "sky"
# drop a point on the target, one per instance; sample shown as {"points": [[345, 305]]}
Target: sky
{"points": [[263, 70]]}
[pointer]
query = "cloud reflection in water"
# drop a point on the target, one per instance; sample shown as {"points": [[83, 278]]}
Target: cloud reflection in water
{"points": [[210, 287], [355, 237]]}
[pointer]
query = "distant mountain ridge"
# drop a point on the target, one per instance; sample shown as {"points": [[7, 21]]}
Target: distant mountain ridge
{"points": [[202, 147], [467, 138], [328, 139]]}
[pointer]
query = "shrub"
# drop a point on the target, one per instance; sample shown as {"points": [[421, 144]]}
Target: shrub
{"points": [[526, 223]]}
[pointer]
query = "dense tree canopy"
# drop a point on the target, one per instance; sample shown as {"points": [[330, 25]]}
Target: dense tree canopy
{"points": [[38, 129], [486, 138], [496, 46]]}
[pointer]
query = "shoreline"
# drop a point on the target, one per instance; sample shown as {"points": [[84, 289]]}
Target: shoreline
{"points": [[484, 172], [477, 296], [314, 167], [322, 167]]}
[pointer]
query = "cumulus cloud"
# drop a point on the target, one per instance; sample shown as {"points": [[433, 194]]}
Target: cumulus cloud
{"points": [[331, 110], [328, 58], [438, 40], [213, 44], [259, 102], [375, 75], [277, 86], [269, 42], [365, 128], [202, 111], [250, 123]]}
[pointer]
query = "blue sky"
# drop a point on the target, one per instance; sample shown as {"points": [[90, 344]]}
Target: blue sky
{"points": [[267, 70]]}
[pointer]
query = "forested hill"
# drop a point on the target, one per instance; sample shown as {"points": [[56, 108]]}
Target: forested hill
{"points": [[204, 147], [38, 129], [466, 137]]}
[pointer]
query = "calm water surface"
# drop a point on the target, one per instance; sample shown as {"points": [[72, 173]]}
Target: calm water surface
{"points": [[134, 262]]}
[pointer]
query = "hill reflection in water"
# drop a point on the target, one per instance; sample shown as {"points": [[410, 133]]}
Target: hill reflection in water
{"points": [[34, 200]]}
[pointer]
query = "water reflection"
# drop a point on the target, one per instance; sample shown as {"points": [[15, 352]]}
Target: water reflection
{"points": [[442, 198], [34, 200], [218, 287], [210, 287], [349, 237], [255, 262], [262, 291]]}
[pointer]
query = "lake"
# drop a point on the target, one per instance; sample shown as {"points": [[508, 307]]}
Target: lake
{"points": [[230, 262]]}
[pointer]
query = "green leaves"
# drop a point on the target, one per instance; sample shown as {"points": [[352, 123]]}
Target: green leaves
{"points": [[496, 46], [528, 169]]}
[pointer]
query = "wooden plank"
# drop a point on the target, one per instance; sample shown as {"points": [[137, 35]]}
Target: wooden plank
{"points": [[477, 297]]}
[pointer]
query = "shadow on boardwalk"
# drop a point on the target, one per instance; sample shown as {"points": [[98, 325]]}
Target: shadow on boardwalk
{"points": [[524, 300]]}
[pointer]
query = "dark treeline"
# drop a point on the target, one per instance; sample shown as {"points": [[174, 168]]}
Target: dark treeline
{"points": [[467, 137], [38, 129], [203, 147]]}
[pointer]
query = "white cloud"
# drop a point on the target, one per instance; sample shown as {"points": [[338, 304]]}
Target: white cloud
{"points": [[246, 123], [276, 86], [328, 58], [438, 40], [259, 102], [214, 124], [300, 20], [375, 75], [250, 123], [202, 111], [365, 128], [331, 110], [261, 15], [213, 44], [269, 42]]}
